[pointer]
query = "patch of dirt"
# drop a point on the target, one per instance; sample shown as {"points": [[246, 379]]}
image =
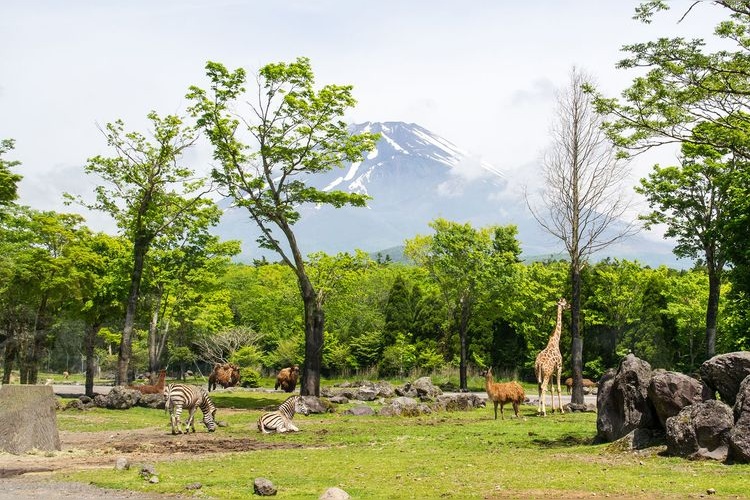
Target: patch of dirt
{"points": [[91, 450], [30, 475]]}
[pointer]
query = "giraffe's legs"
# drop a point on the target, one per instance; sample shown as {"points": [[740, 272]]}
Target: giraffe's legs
{"points": [[542, 407], [559, 392]]}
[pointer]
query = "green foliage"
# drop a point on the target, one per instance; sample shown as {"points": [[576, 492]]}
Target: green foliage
{"points": [[246, 356], [366, 348], [182, 355], [688, 95], [288, 352], [398, 358], [8, 180], [250, 377]]}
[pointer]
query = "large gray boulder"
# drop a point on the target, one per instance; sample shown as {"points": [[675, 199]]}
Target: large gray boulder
{"points": [[119, 398], [458, 402], [724, 374], [670, 392], [622, 402], [426, 389], [28, 419], [404, 406], [700, 431], [739, 436]]}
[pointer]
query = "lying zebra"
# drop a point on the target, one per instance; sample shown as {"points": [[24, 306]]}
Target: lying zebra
{"points": [[281, 419], [179, 396]]}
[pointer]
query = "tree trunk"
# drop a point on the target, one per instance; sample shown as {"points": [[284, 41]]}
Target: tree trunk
{"points": [[126, 344], [712, 310], [153, 334], [88, 346], [575, 330], [314, 324], [11, 350], [463, 327]]}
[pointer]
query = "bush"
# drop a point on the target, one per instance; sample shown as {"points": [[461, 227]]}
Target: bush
{"points": [[250, 377]]}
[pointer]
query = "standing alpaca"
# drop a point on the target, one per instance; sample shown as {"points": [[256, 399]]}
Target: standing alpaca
{"points": [[501, 393], [156, 388], [549, 362]]}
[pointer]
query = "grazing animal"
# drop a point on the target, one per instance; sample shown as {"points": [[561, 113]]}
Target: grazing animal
{"points": [[179, 396], [225, 375], [66, 375], [281, 419], [287, 379], [503, 392], [586, 383], [156, 388], [549, 362]]}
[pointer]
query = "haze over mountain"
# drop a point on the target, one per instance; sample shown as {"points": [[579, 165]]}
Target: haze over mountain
{"points": [[414, 177]]}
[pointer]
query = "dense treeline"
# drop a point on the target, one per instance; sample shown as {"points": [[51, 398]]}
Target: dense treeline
{"points": [[165, 291], [62, 282]]}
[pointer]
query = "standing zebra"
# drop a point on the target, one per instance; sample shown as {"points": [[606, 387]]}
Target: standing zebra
{"points": [[179, 396], [281, 419]]}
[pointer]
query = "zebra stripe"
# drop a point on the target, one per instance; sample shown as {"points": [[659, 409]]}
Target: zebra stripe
{"points": [[179, 396], [281, 419]]}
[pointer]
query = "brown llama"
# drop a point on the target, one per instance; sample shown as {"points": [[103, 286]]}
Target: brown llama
{"points": [[503, 392], [586, 383], [287, 378], [156, 388]]}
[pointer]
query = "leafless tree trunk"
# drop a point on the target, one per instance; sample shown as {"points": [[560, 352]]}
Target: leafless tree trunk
{"points": [[582, 202]]}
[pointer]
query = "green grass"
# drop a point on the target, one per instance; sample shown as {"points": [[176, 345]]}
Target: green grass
{"points": [[443, 455]]}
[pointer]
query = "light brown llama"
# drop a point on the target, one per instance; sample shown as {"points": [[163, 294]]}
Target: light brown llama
{"points": [[586, 383], [503, 392], [156, 388]]}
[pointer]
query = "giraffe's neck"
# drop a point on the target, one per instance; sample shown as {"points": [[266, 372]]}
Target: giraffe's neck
{"points": [[554, 341]]}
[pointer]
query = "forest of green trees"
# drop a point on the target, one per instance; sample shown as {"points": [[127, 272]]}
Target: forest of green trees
{"points": [[164, 291]]}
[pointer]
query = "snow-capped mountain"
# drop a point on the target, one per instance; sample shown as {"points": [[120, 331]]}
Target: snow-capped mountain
{"points": [[408, 152], [413, 177]]}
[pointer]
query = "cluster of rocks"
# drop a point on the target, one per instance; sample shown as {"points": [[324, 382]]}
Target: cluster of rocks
{"points": [[119, 398], [419, 397], [413, 398], [265, 488], [639, 407]]}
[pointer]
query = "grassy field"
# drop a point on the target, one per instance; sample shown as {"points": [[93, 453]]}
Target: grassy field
{"points": [[443, 455]]}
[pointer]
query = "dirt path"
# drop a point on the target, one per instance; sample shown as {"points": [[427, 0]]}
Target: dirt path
{"points": [[31, 475]]}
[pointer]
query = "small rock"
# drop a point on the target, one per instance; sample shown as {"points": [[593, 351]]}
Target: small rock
{"points": [[122, 464], [147, 471], [711, 491], [334, 494], [154, 479], [264, 487], [194, 486]]}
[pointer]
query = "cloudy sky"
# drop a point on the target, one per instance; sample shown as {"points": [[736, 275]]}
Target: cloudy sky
{"points": [[482, 73]]}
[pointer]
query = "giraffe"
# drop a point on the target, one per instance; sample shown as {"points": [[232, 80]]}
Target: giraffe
{"points": [[548, 362]]}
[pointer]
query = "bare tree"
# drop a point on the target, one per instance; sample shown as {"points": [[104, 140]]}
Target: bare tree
{"points": [[582, 201], [220, 347]]}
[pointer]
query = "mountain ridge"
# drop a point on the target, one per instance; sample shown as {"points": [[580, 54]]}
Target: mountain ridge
{"points": [[413, 177]]}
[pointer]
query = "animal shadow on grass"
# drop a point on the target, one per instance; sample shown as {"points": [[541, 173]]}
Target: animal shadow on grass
{"points": [[562, 442]]}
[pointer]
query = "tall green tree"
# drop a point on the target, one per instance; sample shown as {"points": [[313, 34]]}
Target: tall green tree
{"points": [[583, 201], [691, 200], [8, 179], [98, 290], [463, 260], [684, 92], [266, 154], [150, 195]]}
